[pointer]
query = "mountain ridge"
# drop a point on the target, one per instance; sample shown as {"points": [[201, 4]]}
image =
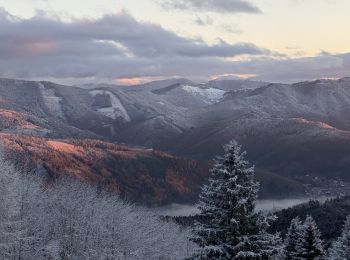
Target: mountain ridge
{"points": [[289, 130]]}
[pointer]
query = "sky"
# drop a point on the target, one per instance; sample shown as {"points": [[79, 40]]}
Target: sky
{"points": [[135, 41]]}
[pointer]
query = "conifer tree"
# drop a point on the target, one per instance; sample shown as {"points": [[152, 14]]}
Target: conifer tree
{"points": [[229, 226], [311, 247], [293, 239], [340, 249]]}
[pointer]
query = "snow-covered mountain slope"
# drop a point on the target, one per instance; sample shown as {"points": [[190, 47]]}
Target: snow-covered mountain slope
{"points": [[52, 101], [112, 107], [208, 95], [324, 100], [235, 84], [288, 130]]}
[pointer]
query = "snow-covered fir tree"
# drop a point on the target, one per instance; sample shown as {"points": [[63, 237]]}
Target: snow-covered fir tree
{"points": [[311, 246], [340, 249], [230, 228], [293, 239]]}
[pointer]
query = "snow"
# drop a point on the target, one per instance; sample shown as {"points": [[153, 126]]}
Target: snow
{"points": [[51, 101], [209, 95], [117, 110], [71, 220]]}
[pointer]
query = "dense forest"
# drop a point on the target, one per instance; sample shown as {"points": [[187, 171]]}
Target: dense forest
{"points": [[329, 216]]}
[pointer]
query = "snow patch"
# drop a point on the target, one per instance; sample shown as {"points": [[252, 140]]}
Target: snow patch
{"points": [[116, 110], [51, 101], [209, 95]]}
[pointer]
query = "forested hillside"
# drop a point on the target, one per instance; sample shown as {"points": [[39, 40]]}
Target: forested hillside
{"points": [[138, 175], [329, 216]]}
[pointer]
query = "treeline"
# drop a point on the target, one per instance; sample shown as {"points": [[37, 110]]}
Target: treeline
{"points": [[329, 216], [303, 241], [70, 220]]}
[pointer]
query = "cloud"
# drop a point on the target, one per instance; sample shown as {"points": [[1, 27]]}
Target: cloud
{"points": [[300, 69], [233, 29], [219, 6], [120, 31], [111, 46], [120, 47], [207, 20]]}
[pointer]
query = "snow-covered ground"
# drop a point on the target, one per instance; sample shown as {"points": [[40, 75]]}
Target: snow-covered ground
{"points": [[117, 110], [209, 95], [52, 102]]}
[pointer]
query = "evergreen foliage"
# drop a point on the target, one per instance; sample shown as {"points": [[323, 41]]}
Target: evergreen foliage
{"points": [[330, 216], [311, 247], [340, 248], [228, 226], [293, 239]]}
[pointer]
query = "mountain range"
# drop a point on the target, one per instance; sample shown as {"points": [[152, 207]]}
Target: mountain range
{"points": [[289, 130]]}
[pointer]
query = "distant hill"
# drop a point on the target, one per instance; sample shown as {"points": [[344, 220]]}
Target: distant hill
{"points": [[138, 175], [290, 131]]}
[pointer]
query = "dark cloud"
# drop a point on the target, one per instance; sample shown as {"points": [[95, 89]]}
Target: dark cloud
{"points": [[110, 46], [220, 6], [120, 31], [118, 46]]}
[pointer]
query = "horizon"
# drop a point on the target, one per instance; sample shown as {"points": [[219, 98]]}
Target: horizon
{"points": [[96, 84], [132, 42]]}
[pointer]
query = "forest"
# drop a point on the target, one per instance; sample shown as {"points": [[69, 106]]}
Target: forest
{"points": [[71, 219]]}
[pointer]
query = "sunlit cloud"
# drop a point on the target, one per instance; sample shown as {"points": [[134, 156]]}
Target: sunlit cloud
{"points": [[135, 81], [233, 76]]}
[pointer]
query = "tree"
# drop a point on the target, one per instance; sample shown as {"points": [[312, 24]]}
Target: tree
{"points": [[15, 236], [69, 219], [293, 239], [311, 247], [229, 226], [340, 249]]}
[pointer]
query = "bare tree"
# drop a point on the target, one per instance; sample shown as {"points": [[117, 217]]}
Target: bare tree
{"points": [[71, 220]]}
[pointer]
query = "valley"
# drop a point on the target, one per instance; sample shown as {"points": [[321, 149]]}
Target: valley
{"points": [[112, 134]]}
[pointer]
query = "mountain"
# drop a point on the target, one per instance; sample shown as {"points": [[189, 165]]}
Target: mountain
{"points": [[139, 175], [235, 84], [291, 131], [45, 127]]}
